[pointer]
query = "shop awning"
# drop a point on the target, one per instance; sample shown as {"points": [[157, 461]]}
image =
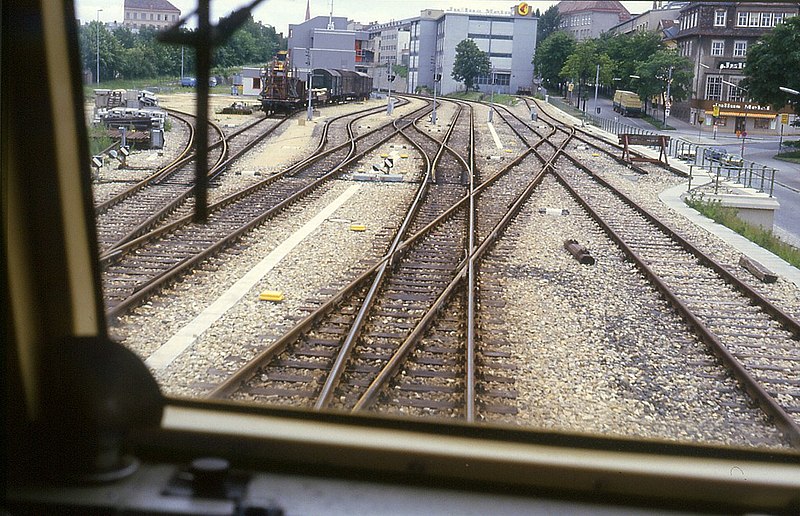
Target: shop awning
{"points": [[748, 115]]}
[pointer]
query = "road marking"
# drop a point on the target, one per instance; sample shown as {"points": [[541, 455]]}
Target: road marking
{"points": [[189, 334], [494, 135]]}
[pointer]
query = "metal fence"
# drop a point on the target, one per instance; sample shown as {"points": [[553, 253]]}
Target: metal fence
{"points": [[698, 156]]}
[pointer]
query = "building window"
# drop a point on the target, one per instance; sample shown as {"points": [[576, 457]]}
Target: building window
{"points": [[742, 19], [720, 16], [739, 48], [762, 123], [717, 47], [777, 18], [754, 19], [713, 87], [734, 93], [766, 19]]}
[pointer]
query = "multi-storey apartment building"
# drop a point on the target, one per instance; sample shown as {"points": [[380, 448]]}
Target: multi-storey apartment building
{"points": [[716, 36], [150, 13], [585, 20]]}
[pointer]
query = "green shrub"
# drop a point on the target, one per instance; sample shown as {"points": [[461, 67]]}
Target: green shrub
{"points": [[99, 140], [728, 216]]}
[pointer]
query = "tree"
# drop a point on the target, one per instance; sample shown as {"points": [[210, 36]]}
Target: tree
{"points": [[551, 54], [774, 61], [582, 65], [470, 63], [627, 51], [654, 75], [548, 23]]}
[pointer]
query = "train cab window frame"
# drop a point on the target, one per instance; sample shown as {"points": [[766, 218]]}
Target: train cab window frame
{"points": [[52, 250]]}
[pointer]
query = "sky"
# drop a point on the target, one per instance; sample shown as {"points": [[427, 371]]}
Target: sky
{"points": [[280, 13]]}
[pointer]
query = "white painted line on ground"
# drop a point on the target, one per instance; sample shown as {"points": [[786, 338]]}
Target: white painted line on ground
{"points": [[187, 335], [494, 135]]}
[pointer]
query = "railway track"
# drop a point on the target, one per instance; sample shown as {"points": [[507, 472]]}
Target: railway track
{"points": [[143, 265], [168, 191], [402, 348], [305, 366], [752, 337]]}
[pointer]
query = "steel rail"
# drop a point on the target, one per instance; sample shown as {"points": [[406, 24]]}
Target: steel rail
{"points": [[372, 392], [469, 355], [611, 144], [172, 165], [180, 267], [750, 384], [337, 369], [144, 232], [230, 384]]}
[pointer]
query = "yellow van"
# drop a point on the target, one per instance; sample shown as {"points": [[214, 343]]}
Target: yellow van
{"points": [[627, 103]]}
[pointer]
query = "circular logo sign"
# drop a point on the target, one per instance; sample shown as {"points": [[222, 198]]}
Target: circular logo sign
{"points": [[523, 9]]}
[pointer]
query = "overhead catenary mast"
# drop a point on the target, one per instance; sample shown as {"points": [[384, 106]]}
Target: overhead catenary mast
{"points": [[330, 18]]}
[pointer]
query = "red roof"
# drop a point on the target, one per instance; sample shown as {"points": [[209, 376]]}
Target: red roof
{"points": [[610, 6], [151, 5]]}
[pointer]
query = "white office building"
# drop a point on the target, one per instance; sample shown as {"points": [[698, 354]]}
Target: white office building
{"points": [[508, 37]]}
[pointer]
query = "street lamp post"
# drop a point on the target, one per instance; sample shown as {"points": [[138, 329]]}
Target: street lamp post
{"points": [[97, 80], [491, 97], [596, 81], [435, 80], [696, 93], [667, 102], [309, 108]]}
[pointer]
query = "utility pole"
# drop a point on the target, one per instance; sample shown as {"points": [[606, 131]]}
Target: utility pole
{"points": [[390, 77], [667, 102], [97, 80], [596, 84], [433, 113], [310, 110]]}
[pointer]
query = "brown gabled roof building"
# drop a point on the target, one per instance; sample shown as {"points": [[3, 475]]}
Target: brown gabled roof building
{"points": [[585, 19], [150, 13]]}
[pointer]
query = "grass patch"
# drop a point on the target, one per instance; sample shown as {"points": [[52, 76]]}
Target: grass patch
{"points": [[506, 100], [99, 140], [474, 96], [727, 216], [156, 85], [477, 96], [792, 157]]}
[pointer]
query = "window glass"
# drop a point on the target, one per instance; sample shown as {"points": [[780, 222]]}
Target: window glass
{"points": [[742, 19], [735, 94], [713, 87], [155, 323]]}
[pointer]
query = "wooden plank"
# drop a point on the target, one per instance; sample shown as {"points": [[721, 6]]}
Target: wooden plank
{"points": [[758, 270]]}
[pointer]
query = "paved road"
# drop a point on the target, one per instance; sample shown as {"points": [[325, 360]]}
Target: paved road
{"points": [[760, 148]]}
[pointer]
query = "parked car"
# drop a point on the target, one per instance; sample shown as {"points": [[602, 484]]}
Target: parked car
{"points": [[732, 160], [188, 82], [714, 153]]}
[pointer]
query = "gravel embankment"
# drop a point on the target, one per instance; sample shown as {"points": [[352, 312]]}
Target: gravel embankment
{"points": [[330, 253], [598, 348]]}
